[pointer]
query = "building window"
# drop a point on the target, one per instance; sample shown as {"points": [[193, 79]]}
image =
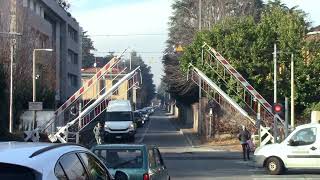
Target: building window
{"points": [[73, 33], [116, 92], [72, 57], [73, 80]]}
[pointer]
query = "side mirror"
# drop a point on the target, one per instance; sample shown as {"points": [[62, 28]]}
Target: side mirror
{"points": [[291, 142], [120, 175]]}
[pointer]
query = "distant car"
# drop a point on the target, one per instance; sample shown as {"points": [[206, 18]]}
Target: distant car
{"points": [[145, 114], [138, 161], [36, 161], [138, 118]]}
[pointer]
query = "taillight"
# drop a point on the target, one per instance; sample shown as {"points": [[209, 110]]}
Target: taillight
{"points": [[146, 176]]}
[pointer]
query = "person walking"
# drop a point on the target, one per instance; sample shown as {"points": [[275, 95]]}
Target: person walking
{"points": [[243, 136], [98, 133]]}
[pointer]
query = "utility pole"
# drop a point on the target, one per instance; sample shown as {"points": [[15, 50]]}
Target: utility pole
{"points": [[275, 128], [200, 7], [13, 29], [292, 92], [275, 73], [130, 59], [286, 117]]}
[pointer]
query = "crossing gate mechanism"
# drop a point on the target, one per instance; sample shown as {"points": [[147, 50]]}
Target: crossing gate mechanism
{"points": [[223, 74], [85, 105]]}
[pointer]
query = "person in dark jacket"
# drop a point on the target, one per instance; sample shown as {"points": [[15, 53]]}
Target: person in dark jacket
{"points": [[243, 136]]}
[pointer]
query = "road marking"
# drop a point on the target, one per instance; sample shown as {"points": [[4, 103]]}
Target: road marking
{"points": [[188, 139], [144, 133]]}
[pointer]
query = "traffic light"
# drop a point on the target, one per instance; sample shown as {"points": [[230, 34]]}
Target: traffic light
{"points": [[277, 108]]}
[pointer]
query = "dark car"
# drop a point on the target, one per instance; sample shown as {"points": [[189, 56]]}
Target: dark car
{"points": [[145, 114], [138, 161], [138, 118]]}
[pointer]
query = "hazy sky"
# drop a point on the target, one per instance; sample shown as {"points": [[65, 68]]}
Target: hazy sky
{"points": [[142, 25]]}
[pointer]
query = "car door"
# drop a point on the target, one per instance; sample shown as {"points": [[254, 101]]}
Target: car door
{"points": [[302, 149], [162, 168], [154, 172]]}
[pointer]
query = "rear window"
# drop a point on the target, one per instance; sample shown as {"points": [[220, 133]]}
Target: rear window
{"points": [[120, 158], [16, 172]]}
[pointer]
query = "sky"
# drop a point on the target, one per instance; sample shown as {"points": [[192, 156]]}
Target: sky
{"points": [[142, 26]]}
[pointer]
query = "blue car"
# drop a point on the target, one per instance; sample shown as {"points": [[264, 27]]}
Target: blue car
{"points": [[138, 161]]}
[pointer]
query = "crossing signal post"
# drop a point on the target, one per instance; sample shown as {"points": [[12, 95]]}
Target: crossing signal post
{"points": [[277, 109]]}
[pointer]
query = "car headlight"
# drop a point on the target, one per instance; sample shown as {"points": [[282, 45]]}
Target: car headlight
{"points": [[106, 126], [131, 126]]}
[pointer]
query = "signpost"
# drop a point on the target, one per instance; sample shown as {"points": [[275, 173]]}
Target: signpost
{"points": [[35, 106]]}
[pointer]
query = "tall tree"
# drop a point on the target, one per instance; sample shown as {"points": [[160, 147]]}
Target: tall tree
{"points": [[248, 45], [147, 89], [183, 26], [87, 47]]}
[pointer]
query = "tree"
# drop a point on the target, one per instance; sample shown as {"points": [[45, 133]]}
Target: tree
{"points": [[184, 26], [147, 88], [87, 47], [64, 4], [248, 45]]}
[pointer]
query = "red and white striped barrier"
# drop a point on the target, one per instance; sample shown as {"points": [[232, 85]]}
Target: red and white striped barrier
{"points": [[244, 82]]}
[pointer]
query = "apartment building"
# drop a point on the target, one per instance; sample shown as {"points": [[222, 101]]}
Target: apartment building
{"points": [[55, 28]]}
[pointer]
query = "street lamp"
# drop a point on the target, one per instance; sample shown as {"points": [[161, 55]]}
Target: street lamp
{"points": [[34, 72], [34, 80]]}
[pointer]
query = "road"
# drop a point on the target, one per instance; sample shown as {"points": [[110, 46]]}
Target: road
{"points": [[191, 163]]}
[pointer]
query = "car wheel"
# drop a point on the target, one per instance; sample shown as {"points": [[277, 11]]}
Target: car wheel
{"points": [[274, 166]]}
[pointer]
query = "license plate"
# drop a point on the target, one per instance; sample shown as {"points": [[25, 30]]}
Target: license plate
{"points": [[118, 137]]}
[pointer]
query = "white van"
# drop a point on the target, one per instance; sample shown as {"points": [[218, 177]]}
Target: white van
{"points": [[300, 150], [119, 120]]}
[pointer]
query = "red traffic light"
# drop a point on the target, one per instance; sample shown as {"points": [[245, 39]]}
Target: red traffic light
{"points": [[277, 108]]}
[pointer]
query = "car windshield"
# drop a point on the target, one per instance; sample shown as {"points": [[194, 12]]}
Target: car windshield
{"points": [[14, 172], [121, 158], [119, 116]]}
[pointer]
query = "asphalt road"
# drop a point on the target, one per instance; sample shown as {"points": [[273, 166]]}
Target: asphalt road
{"points": [[187, 162]]}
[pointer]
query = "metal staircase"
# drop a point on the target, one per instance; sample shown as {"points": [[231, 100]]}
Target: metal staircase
{"points": [[84, 106], [234, 90]]}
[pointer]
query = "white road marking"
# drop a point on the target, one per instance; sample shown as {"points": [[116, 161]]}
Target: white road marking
{"points": [[144, 133]]}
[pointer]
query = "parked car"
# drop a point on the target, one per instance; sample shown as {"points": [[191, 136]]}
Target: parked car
{"points": [[119, 122], [300, 150], [138, 118], [138, 161], [145, 114], [36, 161]]}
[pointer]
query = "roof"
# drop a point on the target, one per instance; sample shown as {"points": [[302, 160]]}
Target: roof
{"points": [[23, 153], [121, 145], [119, 105], [308, 125]]}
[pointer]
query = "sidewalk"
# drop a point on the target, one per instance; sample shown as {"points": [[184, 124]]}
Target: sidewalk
{"points": [[196, 142]]}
